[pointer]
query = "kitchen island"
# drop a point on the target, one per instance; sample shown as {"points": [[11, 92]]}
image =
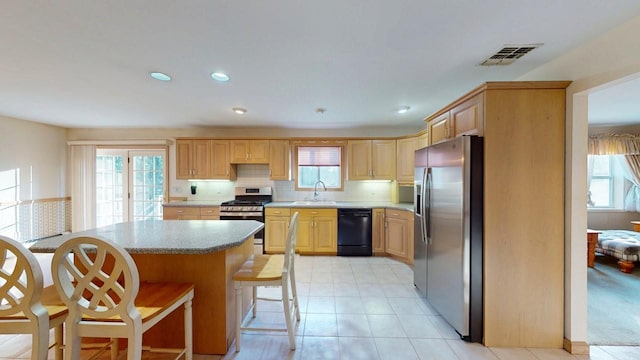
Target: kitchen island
{"points": [[204, 252]]}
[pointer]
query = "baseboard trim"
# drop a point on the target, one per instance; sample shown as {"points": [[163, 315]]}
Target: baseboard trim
{"points": [[576, 347]]}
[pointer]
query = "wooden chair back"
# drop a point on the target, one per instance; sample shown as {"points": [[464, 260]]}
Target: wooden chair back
{"points": [[100, 280], [25, 306], [21, 281], [290, 246]]}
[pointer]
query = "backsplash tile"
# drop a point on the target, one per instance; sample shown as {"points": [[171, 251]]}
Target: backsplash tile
{"points": [[258, 175]]}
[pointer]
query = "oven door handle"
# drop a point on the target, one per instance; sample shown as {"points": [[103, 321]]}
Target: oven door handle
{"points": [[241, 214]]}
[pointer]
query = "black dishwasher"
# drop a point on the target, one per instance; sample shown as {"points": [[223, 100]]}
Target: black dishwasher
{"points": [[354, 232]]}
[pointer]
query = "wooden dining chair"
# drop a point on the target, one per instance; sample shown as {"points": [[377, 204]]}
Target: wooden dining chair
{"points": [[101, 287], [26, 307], [270, 270]]}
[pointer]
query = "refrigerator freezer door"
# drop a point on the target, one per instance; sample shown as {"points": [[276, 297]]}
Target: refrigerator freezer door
{"points": [[419, 237], [447, 252]]}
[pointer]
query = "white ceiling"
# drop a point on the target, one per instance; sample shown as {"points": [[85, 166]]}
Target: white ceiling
{"points": [[86, 63]]}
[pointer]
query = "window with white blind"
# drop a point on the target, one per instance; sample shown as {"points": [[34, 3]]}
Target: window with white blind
{"points": [[319, 163]]}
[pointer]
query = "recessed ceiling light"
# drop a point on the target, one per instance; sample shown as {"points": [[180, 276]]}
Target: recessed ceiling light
{"points": [[160, 76], [218, 76], [239, 110], [403, 109]]}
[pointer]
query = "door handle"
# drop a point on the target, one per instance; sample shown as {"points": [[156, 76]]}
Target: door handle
{"points": [[427, 206]]}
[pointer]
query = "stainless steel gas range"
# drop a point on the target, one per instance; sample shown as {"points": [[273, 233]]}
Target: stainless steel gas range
{"points": [[248, 205]]}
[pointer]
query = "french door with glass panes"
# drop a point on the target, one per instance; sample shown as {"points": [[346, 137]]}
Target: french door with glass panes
{"points": [[130, 185]]}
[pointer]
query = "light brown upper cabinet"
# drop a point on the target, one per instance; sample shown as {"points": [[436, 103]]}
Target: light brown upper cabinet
{"points": [[221, 167], [279, 160], [439, 128], [371, 159], [193, 159], [405, 162], [466, 118], [249, 151], [423, 140]]}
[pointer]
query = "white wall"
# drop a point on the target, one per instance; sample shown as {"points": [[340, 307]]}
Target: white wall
{"points": [[33, 161], [33, 165], [607, 59]]}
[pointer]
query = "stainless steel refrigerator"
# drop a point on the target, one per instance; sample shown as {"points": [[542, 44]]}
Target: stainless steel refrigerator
{"points": [[448, 208]]}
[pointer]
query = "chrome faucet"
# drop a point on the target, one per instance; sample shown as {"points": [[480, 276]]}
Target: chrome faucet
{"points": [[315, 189]]}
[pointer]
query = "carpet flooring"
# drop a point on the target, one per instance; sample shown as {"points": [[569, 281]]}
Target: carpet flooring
{"points": [[613, 300]]}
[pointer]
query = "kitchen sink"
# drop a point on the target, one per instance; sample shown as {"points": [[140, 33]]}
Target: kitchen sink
{"points": [[314, 202]]}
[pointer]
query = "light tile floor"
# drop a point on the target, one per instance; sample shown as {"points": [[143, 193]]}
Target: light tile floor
{"points": [[360, 308]]}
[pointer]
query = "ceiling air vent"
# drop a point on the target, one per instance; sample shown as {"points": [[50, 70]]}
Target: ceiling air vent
{"points": [[508, 54]]}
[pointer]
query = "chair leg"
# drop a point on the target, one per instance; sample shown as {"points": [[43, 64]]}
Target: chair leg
{"points": [[294, 292], [58, 336], [114, 348], [188, 330], [287, 314], [40, 338], [71, 342], [238, 315], [134, 346], [254, 293]]}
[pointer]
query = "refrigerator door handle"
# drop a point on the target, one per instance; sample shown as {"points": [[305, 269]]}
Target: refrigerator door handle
{"points": [[427, 206]]}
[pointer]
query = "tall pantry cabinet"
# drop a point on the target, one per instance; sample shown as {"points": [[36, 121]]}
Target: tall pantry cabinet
{"points": [[523, 125]]}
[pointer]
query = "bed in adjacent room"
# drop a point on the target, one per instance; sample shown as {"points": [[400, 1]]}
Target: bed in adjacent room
{"points": [[624, 245]]}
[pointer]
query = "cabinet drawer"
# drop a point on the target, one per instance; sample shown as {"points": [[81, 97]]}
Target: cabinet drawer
{"points": [[277, 212], [177, 212], [316, 212], [210, 211], [401, 214]]}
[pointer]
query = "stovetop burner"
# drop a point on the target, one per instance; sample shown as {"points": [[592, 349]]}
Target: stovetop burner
{"points": [[246, 202], [245, 196]]}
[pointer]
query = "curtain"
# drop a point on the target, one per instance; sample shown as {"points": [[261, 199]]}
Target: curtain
{"points": [[631, 172], [83, 186], [620, 144], [590, 160], [614, 144]]}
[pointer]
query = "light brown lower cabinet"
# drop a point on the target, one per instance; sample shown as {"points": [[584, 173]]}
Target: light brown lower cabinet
{"points": [[276, 226], [378, 232], [191, 213], [317, 231], [392, 232], [399, 234]]}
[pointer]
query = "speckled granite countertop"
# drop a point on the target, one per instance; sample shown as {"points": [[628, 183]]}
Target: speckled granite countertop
{"points": [[194, 203], [166, 236], [343, 205]]}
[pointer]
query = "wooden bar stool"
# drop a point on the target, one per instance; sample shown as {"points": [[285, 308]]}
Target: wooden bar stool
{"points": [[25, 306], [101, 287], [270, 270]]}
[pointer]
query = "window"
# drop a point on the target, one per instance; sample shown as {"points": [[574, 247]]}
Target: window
{"points": [[606, 188], [319, 163]]}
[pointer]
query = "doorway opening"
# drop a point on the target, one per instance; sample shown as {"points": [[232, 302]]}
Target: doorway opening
{"points": [[131, 184]]}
